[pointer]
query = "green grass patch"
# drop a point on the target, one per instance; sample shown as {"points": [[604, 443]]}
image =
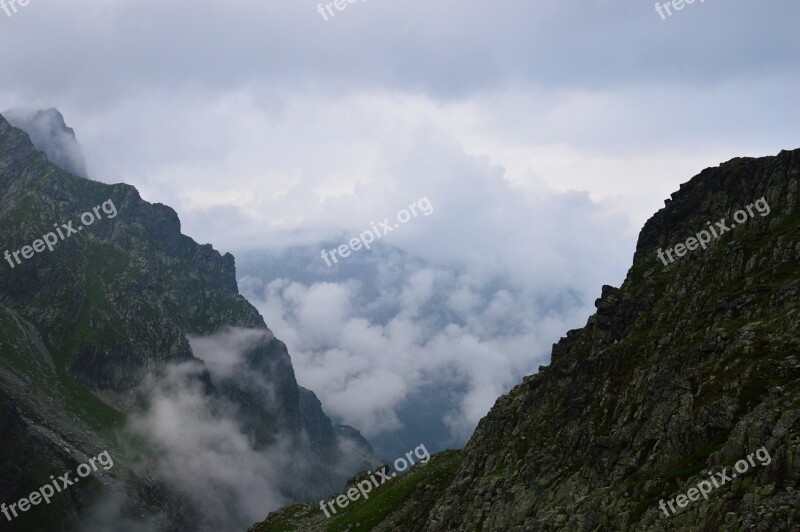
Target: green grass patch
{"points": [[364, 515]]}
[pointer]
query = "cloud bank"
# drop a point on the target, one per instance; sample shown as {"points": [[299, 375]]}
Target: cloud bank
{"points": [[201, 451], [484, 286]]}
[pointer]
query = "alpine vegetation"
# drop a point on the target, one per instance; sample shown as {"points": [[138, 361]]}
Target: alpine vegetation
{"points": [[364, 486]]}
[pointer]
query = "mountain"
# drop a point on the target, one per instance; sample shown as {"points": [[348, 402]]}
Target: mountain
{"points": [[50, 134], [681, 393], [121, 334]]}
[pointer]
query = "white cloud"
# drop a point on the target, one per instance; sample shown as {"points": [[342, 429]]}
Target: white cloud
{"points": [[203, 454], [365, 369]]}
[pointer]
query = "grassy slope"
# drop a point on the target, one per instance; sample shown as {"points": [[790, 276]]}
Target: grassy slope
{"points": [[403, 499]]}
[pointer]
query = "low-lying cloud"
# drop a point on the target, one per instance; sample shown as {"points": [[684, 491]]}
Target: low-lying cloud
{"points": [[200, 449], [477, 345]]}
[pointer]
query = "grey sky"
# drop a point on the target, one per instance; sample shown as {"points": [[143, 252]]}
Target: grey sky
{"points": [[544, 133], [582, 95], [445, 49]]}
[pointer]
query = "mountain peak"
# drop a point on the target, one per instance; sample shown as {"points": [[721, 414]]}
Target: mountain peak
{"points": [[49, 133]]}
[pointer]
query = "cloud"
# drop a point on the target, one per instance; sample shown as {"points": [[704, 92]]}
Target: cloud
{"points": [[348, 346], [50, 134], [201, 450], [446, 50], [222, 353], [256, 126], [488, 281]]}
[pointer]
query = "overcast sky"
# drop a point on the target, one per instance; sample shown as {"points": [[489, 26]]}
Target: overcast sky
{"points": [[544, 133], [252, 105]]}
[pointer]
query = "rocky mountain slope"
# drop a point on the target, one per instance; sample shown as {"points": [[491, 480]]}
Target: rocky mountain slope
{"points": [[687, 369], [89, 314]]}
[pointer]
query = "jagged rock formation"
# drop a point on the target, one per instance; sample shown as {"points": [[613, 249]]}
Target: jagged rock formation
{"points": [[50, 134], [83, 325], [682, 372]]}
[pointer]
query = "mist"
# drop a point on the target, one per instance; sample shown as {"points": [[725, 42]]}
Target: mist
{"points": [[200, 449]]}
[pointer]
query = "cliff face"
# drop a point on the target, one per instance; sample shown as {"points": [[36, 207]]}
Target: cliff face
{"points": [[685, 370], [86, 322]]}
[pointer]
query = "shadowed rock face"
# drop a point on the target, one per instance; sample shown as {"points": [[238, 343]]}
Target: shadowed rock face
{"points": [[50, 134], [683, 371], [83, 325], [119, 298], [27, 459]]}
